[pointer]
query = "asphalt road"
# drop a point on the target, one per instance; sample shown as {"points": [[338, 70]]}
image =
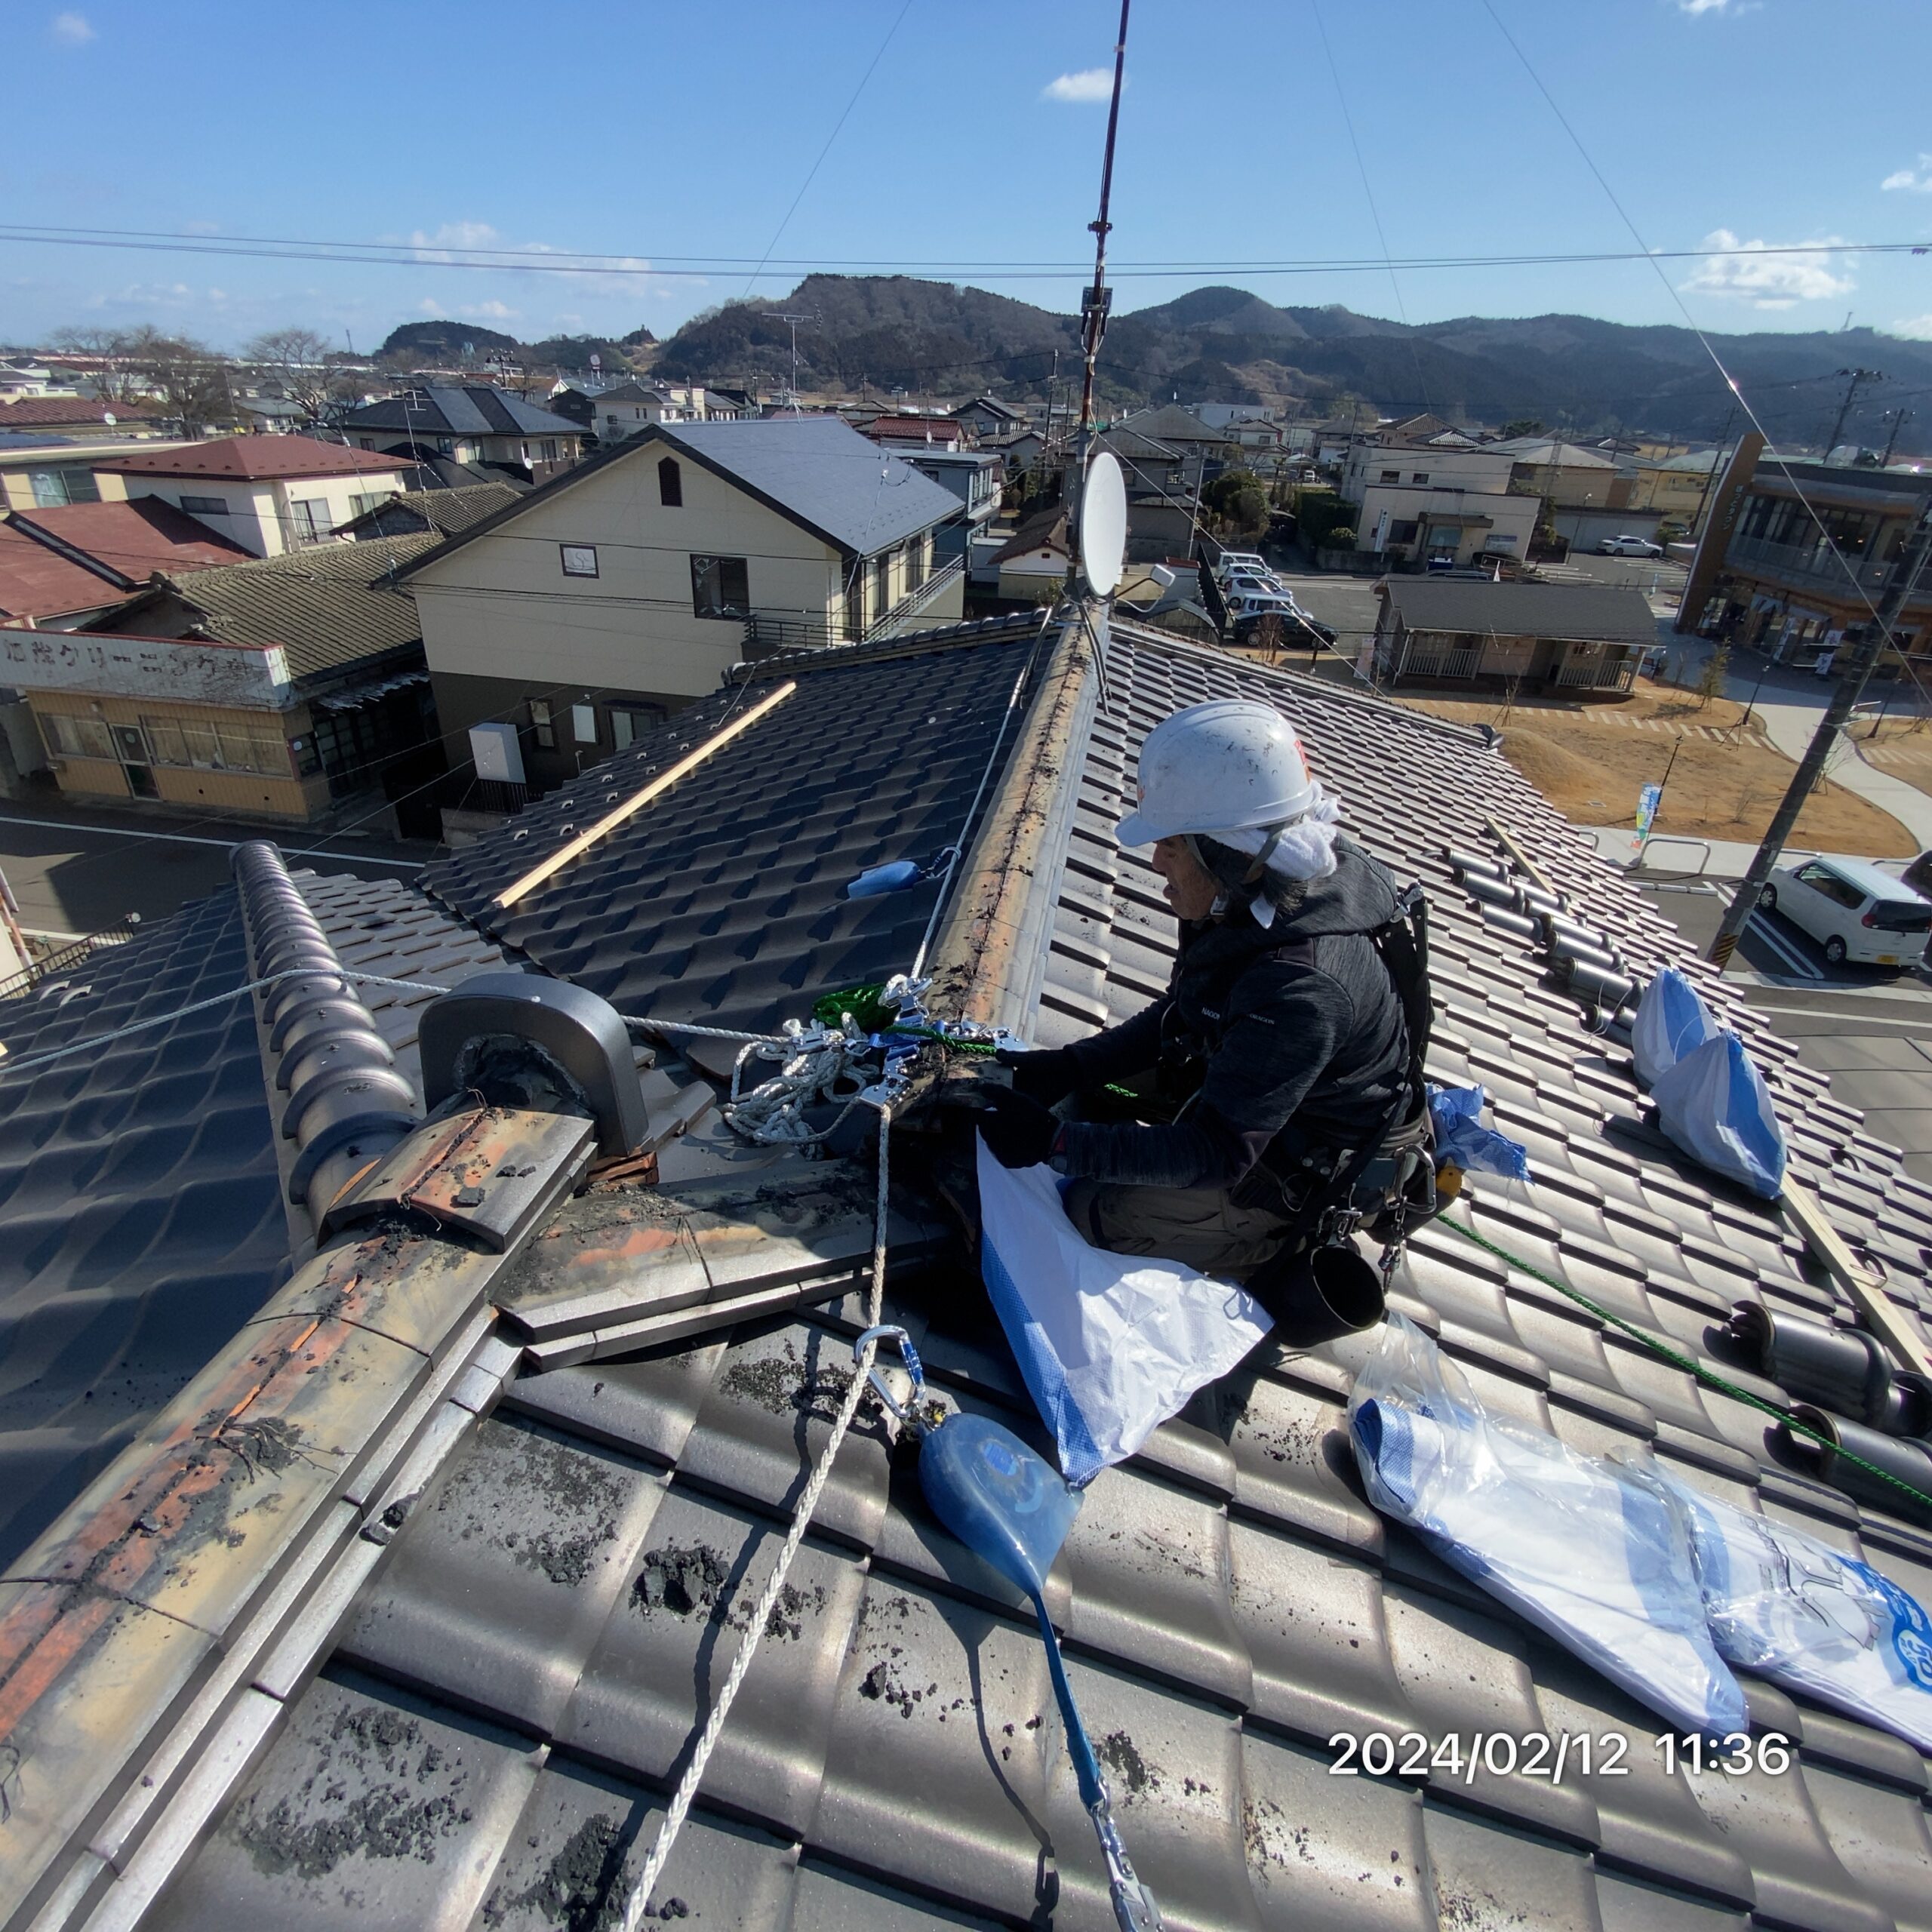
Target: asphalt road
{"points": [[74, 870]]}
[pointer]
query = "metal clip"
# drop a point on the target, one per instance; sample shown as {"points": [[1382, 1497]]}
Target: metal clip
{"points": [[908, 1412]]}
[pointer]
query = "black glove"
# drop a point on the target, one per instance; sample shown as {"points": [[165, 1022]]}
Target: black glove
{"points": [[1019, 1131], [1048, 1078]]}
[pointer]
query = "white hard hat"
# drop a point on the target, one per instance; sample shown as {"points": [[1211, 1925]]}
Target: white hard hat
{"points": [[1229, 765]]}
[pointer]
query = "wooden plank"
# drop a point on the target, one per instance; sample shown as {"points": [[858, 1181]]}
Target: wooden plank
{"points": [[1806, 1212], [1522, 860], [636, 802]]}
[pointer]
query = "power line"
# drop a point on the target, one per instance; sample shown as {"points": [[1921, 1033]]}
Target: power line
{"points": [[1831, 542], [419, 256]]}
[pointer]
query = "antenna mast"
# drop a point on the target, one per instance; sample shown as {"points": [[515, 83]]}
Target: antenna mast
{"points": [[1095, 302]]}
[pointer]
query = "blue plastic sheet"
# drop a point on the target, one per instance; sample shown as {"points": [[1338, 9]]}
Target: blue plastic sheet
{"points": [[1463, 1141], [1597, 1560]]}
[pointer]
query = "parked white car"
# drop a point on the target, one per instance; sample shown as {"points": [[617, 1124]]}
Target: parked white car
{"points": [[1263, 583], [1246, 604], [1628, 546], [1855, 912], [1230, 560]]}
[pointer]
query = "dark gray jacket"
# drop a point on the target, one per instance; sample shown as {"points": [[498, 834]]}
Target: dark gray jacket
{"points": [[1294, 1031]]}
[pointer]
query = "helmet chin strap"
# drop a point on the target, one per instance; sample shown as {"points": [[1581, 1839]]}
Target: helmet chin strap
{"points": [[1224, 896]]}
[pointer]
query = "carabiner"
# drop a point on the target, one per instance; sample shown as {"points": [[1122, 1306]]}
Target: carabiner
{"points": [[906, 1413]]}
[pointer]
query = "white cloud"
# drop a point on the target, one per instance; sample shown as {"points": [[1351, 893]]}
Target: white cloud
{"points": [[1090, 84], [1703, 6], [1809, 274], [492, 311], [1918, 180], [1914, 328], [465, 235], [70, 29]]}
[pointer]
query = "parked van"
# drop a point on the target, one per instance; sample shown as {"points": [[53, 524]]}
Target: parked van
{"points": [[1854, 911]]}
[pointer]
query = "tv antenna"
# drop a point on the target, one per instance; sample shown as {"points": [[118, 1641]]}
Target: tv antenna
{"points": [[1094, 304], [792, 322]]}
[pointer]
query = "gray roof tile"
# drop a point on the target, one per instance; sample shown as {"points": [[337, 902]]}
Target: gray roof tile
{"points": [[1230, 1599]]}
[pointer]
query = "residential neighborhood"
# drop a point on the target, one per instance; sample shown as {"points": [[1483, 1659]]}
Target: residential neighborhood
{"points": [[1020, 1019]]}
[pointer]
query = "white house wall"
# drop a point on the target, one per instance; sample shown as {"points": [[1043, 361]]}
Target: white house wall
{"points": [[501, 606]]}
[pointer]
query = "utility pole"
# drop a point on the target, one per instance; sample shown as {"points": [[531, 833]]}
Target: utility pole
{"points": [[1900, 417], [1858, 379], [1858, 664]]}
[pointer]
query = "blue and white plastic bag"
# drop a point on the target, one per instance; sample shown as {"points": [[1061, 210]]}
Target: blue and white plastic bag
{"points": [[1715, 1105], [1671, 1021], [1593, 1558], [1110, 1344], [1791, 1608], [1711, 1099]]}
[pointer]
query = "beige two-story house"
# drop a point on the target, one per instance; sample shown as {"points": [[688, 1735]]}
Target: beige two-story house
{"points": [[625, 587]]}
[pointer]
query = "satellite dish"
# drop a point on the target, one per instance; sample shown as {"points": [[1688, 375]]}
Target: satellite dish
{"points": [[1103, 524]]}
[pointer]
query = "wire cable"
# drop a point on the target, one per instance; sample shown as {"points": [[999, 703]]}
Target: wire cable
{"points": [[812, 173], [1717, 361], [639, 1899]]}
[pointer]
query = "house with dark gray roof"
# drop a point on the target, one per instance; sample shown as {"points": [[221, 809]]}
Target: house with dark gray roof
{"points": [[444, 512], [1574, 637], [470, 422], [276, 686], [620, 591], [395, 1437]]}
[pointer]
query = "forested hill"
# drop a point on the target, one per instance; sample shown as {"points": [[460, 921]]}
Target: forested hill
{"points": [[1572, 372]]}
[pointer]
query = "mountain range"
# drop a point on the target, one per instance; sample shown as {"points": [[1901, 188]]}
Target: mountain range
{"points": [[1572, 372]]}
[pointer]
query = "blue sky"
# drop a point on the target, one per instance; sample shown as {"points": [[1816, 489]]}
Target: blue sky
{"points": [[662, 131]]}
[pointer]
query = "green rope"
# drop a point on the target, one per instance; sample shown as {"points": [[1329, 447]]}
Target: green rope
{"points": [[1678, 1359]]}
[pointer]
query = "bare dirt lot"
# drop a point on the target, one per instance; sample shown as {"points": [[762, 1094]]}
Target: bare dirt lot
{"points": [[1591, 760]]}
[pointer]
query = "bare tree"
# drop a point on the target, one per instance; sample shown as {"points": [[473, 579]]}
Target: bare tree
{"points": [[106, 349], [189, 377], [298, 357]]}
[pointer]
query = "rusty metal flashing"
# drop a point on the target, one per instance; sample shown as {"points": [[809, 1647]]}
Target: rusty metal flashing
{"points": [[195, 1577], [990, 956]]}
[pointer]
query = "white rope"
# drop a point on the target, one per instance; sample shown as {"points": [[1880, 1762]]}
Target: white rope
{"points": [[11, 1066], [688, 1785]]}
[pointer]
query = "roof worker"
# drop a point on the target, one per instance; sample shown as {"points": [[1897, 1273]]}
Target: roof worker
{"points": [[1279, 1075]]}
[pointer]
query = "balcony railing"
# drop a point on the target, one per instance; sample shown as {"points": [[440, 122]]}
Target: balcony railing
{"points": [[767, 632], [64, 959], [1808, 564]]}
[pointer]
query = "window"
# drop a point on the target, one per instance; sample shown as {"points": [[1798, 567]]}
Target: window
{"points": [[720, 587], [550, 449], [54, 488], [1418, 476], [584, 723], [78, 737], [670, 484], [360, 505], [915, 562], [579, 559], [882, 585], [446, 446], [222, 747], [205, 505], [1391, 476], [1840, 892], [313, 520], [1402, 530], [367, 442], [630, 721], [541, 727]]}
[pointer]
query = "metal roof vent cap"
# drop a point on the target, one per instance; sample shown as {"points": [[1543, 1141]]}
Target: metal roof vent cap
{"points": [[563, 1028]]}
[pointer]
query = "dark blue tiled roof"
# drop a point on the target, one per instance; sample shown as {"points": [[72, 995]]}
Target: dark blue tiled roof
{"points": [[139, 1198], [724, 900]]}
